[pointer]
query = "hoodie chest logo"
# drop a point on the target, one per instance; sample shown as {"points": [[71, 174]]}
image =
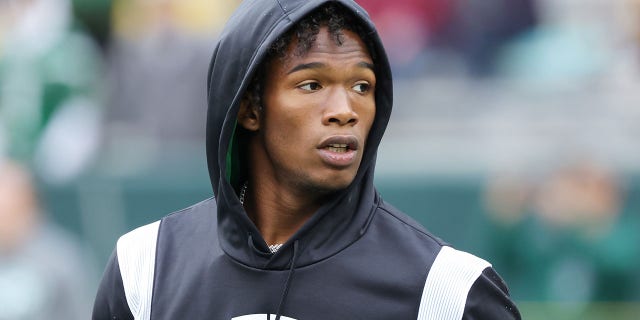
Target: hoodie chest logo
{"points": [[261, 317]]}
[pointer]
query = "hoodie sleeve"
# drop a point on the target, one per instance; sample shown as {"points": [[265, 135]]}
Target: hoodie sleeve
{"points": [[111, 302], [489, 298]]}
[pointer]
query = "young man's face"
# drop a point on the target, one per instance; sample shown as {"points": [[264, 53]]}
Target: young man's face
{"points": [[318, 110]]}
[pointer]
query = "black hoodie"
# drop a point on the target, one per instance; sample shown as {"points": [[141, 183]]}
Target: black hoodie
{"points": [[355, 258]]}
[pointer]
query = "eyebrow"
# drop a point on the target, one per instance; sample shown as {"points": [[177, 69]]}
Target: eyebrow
{"points": [[318, 65], [367, 65]]}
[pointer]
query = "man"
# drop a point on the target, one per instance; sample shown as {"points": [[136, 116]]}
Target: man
{"points": [[299, 97]]}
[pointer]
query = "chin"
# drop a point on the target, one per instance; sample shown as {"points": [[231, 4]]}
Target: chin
{"points": [[333, 185]]}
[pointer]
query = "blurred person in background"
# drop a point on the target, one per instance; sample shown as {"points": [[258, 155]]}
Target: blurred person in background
{"points": [[50, 88], [576, 44], [422, 35], [44, 272], [408, 29], [581, 207], [582, 244], [480, 30], [158, 57]]}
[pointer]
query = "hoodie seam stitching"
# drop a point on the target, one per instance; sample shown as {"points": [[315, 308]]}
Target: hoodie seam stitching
{"points": [[412, 227], [187, 208], [286, 14]]}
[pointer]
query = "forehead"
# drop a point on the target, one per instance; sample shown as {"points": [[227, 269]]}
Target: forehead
{"points": [[335, 45]]}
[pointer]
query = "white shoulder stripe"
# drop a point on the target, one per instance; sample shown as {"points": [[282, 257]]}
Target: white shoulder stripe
{"points": [[448, 284], [136, 259]]}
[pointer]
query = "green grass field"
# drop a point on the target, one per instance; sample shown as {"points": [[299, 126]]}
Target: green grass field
{"points": [[582, 311]]}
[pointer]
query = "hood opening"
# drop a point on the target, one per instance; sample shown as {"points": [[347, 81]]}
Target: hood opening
{"points": [[233, 161], [236, 162], [241, 50]]}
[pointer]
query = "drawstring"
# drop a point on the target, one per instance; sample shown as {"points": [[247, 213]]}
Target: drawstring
{"points": [[256, 250], [287, 283], [292, 268]]}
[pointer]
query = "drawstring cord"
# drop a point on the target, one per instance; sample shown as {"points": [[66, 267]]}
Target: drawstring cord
{"points": [[287, 283], [292, 268], [256, 250]]}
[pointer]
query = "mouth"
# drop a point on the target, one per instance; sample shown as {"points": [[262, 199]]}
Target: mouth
{"points": [[340, 144], [339, 151], [338, 147]]}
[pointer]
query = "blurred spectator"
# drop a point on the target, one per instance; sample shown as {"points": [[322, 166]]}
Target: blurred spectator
{"points": [[507, 196], [584, 196], [407, 28], [481, 28], [581, 206], [577, 43], [424, 33], [49, 88], [572, 240], [159, 57], [43, 272], [512, 239], [94, 15]]}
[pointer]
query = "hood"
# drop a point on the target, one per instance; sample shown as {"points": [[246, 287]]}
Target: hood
{"points": [[242, 45]]}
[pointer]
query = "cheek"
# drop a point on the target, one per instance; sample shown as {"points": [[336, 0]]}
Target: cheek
{"points": [[292, 111], [287, 128]]}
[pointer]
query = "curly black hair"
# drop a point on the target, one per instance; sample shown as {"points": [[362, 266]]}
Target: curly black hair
{"points": [[334, 16]]}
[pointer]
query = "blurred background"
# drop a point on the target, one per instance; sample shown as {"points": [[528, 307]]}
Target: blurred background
{"points": [[514, 136]]}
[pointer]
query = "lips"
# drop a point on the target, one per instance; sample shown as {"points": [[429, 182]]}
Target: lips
{"points": [[339, 151]]}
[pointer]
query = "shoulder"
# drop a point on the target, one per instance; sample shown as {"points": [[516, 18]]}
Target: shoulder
{"points": [[189, 228], [202, 211], [132, 267], [144, 241], [448, 282], [489, 298], [455, 284], [398, 223], [136, 252], [197, 214], [460, 285], [126, 286], [141, 243]]}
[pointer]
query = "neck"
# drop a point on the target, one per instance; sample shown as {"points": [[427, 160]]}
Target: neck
{"points": [[277, 212]]}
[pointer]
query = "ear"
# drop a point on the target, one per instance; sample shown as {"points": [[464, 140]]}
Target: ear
{"points": [[249, 115]]}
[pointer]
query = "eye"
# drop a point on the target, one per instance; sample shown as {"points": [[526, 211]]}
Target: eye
{"points": [[310, 86], [362, 87]]}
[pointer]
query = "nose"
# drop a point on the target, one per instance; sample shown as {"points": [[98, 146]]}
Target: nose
{"points": [[339, 109]]}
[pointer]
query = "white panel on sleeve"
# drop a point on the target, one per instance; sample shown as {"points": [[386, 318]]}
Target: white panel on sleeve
{"points": [[448, 283], [136, 259]]}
